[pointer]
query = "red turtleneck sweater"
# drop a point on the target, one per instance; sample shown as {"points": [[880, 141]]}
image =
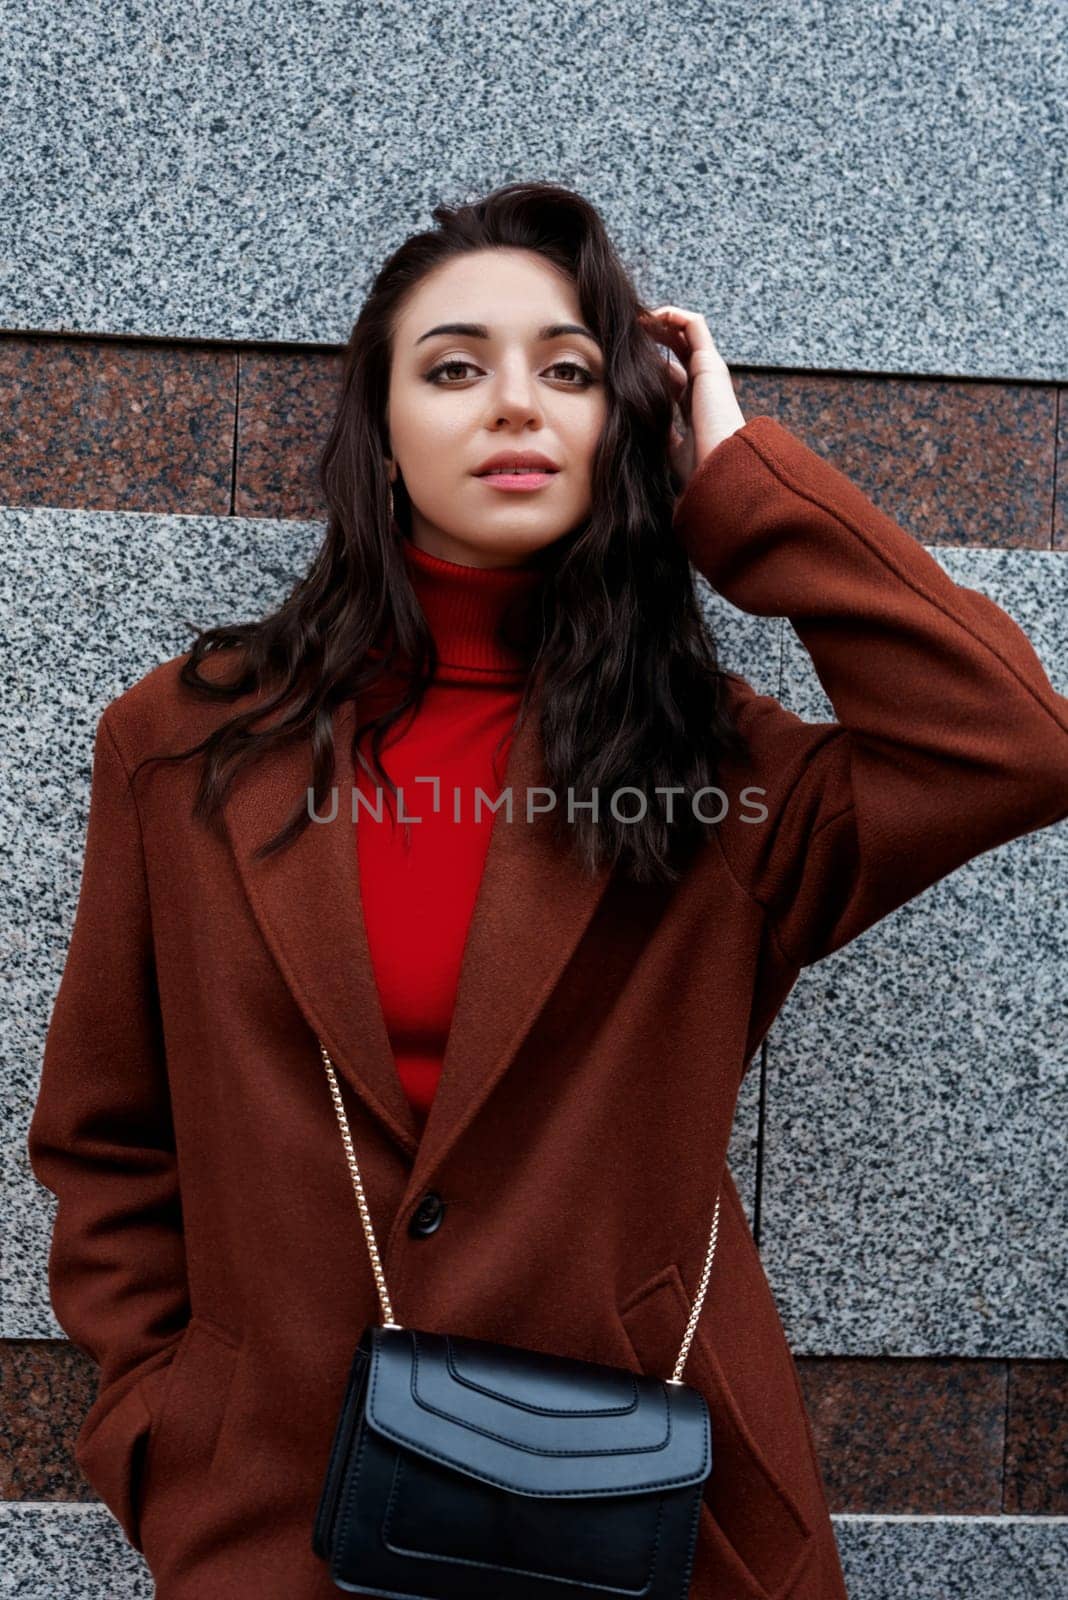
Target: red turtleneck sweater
{"points": [[418, 893]]}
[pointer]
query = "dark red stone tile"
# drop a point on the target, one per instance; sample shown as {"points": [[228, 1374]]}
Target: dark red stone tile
{"points": [[46, 1388], [1036, 1455], [287, 403], [146, 426], [954, 462], [895, 1435], [892, 1435], [115, 426], [1060, 504]]}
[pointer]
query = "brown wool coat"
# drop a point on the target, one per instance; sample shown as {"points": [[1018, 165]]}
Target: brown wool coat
{"points": [[207, 1250]]}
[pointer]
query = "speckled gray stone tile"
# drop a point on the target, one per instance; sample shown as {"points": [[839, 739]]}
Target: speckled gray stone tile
{"points": [[745, 643], [953, 1558], [913, 1195], [752, 646], [52, 1551], [744, 1142], [851, 187], [48, 1550], [91, 601]]}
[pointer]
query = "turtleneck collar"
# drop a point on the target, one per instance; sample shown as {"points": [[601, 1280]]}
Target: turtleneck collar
{"points": [[463, 607]]}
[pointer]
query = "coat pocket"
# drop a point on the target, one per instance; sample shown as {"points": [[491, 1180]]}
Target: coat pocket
{"points": [[751, 1526], [110, 1446], [186, 1411]]}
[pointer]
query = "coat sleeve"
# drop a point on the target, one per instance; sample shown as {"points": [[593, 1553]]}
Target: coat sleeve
{"points": [[101, 1139], [949, 739]]}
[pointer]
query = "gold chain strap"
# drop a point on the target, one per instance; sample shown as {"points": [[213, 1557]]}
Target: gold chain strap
{"points": [[376, 1263]]}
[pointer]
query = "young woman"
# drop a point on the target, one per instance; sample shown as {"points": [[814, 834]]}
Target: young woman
{"points": [[540, 1004]]}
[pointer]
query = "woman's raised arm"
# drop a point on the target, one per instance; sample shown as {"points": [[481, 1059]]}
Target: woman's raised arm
{"points": [[950, 738]]}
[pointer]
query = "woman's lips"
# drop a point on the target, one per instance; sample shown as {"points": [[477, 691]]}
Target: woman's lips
{"points": [[517, 480]]}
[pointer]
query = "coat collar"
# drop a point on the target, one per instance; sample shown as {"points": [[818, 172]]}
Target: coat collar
{"points": [[533, 904]]}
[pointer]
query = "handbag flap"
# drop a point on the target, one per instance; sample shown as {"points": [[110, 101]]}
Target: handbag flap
{"points": [[533, 1422]]}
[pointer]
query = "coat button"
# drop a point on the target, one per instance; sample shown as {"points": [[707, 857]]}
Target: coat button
{"points": [[427, 1215]]}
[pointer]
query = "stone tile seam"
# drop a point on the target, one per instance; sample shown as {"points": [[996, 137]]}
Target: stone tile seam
{"points": [[950, 1518], [97, 1508]]}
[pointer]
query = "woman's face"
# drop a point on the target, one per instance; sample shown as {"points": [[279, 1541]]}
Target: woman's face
{"points": [[504, 381]]}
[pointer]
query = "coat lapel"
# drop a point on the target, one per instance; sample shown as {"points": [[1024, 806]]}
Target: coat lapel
{"points": [[534, 903], [306, 901], [532, 907]]}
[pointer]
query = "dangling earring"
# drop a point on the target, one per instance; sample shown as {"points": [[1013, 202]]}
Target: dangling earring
{"points": [[389, 485]]}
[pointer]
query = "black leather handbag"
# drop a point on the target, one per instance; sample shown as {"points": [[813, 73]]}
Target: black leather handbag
{"points": [[461, 1467]]}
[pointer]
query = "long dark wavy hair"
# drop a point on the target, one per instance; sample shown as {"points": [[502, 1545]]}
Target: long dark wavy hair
{"points": [[623, 666]]}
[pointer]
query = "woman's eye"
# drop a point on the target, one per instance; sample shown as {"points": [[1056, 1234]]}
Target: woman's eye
{"points": [[587, 375], [444, 366], [586, 378]]}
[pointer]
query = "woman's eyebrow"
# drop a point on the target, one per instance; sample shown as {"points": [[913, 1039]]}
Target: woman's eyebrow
{"points": [[478, 330]]}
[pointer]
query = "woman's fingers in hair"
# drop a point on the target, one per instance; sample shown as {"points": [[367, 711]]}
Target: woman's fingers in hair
{"points": [[708, 403], [683, 331]]}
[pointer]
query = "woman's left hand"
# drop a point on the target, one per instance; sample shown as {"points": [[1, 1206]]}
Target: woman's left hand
{"points": [[702, 387]]}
